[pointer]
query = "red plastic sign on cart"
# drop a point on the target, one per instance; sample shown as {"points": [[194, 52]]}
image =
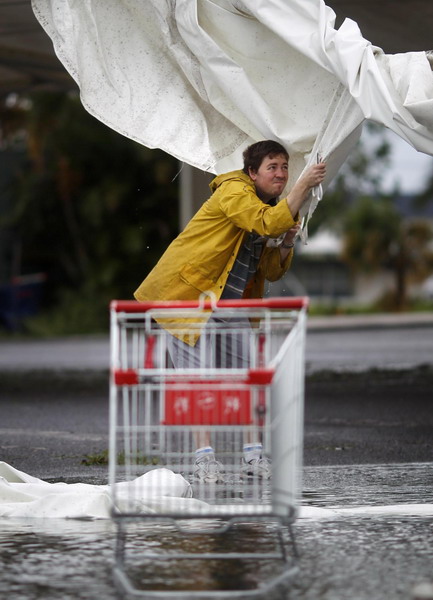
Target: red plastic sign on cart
{"points": [[204, 403]]}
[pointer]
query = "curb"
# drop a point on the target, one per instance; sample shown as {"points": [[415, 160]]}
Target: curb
{"points": [[367, 322]]}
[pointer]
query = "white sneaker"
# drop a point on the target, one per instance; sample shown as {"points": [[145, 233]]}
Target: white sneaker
{"points": [[209, 470], [257, 467]]}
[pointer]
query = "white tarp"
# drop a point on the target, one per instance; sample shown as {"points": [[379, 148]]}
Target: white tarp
{"points": [[22, 495], [201, 79], [158, 491]]}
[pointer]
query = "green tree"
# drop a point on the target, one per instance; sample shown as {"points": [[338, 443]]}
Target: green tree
{"points": [[377, 237], [92, 209], [360, 175]]}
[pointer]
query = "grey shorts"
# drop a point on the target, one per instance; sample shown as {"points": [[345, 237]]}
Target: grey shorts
{"points": [[224, 343]]}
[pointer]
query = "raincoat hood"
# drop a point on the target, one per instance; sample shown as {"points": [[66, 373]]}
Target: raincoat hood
{"points": [[232, 176]]}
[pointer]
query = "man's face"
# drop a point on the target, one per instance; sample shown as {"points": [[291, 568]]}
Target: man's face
{"points": [[271, 177]]}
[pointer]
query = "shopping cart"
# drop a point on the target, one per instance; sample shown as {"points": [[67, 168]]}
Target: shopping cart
{"points": [[245, 382]]}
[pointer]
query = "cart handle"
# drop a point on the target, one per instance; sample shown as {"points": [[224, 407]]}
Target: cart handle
{"points": [[263, 376], [132, 306]]}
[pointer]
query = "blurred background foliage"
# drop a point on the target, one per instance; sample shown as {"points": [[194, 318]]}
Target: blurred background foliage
{"points": [[376, 235], [360, 175], [92, 211]]}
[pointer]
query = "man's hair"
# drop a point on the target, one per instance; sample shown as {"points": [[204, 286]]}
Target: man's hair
{"points": [[254, 154]]}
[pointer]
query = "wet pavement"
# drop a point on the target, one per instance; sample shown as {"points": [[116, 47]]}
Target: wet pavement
{"points": [[50, 423], [347, 557], [368, 396], [346, 343], [368, 441]]}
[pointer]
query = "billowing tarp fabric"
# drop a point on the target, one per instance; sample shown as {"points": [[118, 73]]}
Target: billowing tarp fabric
{"points": [[201, 79]]}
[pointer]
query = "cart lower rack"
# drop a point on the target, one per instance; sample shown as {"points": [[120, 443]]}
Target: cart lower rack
{"points": [[226, 376]]}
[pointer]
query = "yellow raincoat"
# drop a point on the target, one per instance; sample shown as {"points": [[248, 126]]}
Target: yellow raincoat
{"points": [[200, 258]]}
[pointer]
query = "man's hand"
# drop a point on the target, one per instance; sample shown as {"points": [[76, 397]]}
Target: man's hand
{"points": [[288, 242], [290, 236], [313, 176]]}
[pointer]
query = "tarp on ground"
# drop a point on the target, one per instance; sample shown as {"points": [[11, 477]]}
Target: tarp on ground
{"points": [[201, 79], [157, 492]]}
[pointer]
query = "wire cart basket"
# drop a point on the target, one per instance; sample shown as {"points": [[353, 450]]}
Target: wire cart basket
{"points": [[238, 377]]}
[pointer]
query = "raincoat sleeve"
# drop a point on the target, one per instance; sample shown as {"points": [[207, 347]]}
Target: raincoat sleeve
{"points": [[239, 202], [271, 266]]}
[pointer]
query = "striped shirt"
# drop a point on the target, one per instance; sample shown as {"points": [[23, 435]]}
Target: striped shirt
{"points": [[244, 267]]}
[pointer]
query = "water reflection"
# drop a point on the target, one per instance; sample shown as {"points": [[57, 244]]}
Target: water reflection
{"points": [[213, 574], [360, 557], [56, 559], [371, 485]]}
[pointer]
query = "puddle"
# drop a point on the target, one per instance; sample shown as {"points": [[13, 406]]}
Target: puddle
{"points": [[351, 558]]}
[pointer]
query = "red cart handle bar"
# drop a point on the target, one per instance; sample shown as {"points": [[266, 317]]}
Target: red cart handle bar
{"points": [[262, 376], [131, 306]]}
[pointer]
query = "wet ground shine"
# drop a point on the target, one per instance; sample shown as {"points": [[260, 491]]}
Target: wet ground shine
{"points": [[342, 557], [354, 424]]}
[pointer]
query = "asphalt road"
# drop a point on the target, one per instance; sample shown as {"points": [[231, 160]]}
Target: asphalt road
{"points": [[358, 350], [50, 423], [368, 399], [356, 343]]}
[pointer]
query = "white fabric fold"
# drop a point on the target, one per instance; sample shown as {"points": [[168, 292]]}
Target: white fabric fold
{"points": [[201, 79], [159, 490], [156, 492]]}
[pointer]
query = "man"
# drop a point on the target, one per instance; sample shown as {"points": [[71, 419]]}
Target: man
{"points": [[223, 251]]}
